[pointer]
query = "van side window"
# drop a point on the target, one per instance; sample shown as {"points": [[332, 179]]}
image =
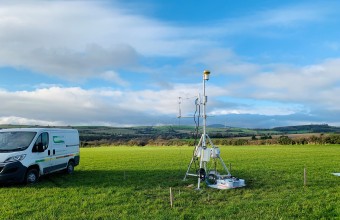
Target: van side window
{"points": [[42, 139]]}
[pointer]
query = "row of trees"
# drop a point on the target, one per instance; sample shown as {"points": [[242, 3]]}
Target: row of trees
{"points": [[282, 140]]}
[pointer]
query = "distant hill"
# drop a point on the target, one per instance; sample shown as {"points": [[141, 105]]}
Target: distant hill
{"points": [[300, 129], [216, 126]]}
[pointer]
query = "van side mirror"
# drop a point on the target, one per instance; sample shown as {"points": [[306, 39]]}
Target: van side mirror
{"points": [[40, 147]]}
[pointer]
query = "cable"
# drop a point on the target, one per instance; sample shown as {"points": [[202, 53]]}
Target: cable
{"points": [[197, 124]]}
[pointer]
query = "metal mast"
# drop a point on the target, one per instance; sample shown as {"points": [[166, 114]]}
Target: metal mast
{"points": [[206, 74], [201, 150], [203, 162]]}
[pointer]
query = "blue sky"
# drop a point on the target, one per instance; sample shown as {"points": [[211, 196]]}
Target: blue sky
{"points": [[125, 63]]}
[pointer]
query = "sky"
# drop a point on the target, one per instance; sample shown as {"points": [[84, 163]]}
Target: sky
{"points": [[126, 63]]}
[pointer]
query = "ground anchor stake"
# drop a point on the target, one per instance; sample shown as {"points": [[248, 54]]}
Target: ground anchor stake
{"points": [[171, 198]]}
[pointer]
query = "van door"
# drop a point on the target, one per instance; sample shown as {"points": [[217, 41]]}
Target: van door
{"points": [[59, 151], [44, 159]]}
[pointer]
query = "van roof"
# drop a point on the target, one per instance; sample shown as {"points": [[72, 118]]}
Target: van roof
{"points": [[38, 129]]}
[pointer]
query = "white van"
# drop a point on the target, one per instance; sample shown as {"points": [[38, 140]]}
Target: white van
{"points": [[27, 153]]}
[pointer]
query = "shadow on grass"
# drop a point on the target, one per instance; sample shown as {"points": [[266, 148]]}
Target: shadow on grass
{"points": [[105, 178], [143, 179], [139, 179]]}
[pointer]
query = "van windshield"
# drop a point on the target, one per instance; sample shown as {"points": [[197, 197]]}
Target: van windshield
{"points": [[15, 140]]}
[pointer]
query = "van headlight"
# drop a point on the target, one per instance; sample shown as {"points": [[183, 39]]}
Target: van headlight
{"points": [[16, 158]]}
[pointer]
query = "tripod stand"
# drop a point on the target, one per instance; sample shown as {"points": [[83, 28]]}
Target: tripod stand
{"points": [[203, 153]]}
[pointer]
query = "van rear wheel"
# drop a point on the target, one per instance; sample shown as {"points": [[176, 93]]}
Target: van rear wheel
{"points": [[32, 176], [70, 167]]}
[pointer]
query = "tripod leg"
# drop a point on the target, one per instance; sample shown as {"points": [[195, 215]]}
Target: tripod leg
{"points": [[224, 166], [186, 174]]}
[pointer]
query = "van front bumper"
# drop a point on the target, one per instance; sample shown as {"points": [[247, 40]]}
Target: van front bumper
{"points": [[12, 172]]}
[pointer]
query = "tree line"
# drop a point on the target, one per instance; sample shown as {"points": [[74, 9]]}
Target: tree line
{"points": [[171, 141]]}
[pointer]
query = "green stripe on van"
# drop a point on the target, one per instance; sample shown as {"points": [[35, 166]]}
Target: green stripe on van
{"points": [[54, 158]]}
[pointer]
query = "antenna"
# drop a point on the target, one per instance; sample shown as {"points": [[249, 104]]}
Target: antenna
{"points": [[179, 107], [205, 151], [179, 111], [180, 101]]}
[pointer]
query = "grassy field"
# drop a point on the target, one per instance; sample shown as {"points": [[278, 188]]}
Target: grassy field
{"points": [[134, 182]]}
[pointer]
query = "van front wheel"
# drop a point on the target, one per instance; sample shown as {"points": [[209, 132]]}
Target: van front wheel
{"points": [[70, 167], [32, 176]]}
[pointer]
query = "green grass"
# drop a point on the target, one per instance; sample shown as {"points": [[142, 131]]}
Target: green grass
{"points": [[134, 182]]}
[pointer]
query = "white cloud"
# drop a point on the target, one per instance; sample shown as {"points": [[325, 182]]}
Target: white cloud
{"points": [[258, 110], [74, 105], [291, 15], [315, 84], [225, 61], [73, 39], [278, 89], [272, 22], [113, 77], [27, 121]]}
